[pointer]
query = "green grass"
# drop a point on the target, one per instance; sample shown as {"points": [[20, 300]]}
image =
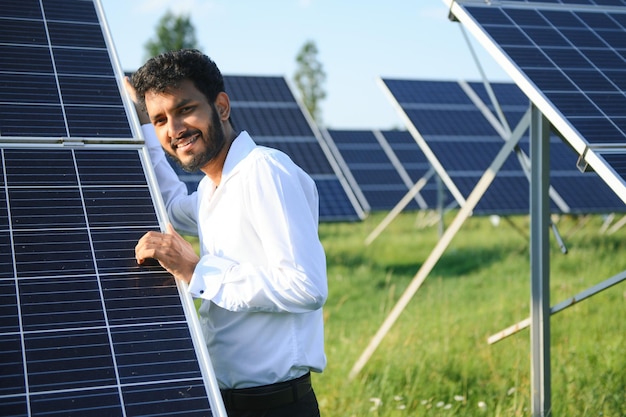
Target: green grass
{"points": [[435, 360]]}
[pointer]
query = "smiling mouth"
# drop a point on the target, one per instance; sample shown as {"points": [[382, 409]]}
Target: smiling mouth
{"points": [[185, 142]]}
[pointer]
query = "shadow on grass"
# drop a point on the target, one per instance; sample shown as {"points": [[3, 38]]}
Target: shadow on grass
{"points": [[455, 263]]}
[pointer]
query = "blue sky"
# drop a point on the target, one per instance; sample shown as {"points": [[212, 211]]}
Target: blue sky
{"points": [[358, 42]]}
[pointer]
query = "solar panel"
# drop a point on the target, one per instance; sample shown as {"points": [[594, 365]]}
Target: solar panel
{"points": [[47, 62], [458, 136], [83, 329], [266, 108], [569, 58], [386, 165]]}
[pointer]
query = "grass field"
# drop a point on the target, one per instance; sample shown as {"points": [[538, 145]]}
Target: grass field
{"points": [[435, 361]]}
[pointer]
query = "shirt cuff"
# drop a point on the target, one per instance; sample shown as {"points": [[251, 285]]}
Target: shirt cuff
{"points": [[208, 276]]}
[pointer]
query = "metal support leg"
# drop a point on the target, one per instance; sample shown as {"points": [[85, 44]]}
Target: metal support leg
{"points": [[540, 264]]}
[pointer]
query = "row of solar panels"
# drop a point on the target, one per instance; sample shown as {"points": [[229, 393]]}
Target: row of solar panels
{"points": [[453, 134]]}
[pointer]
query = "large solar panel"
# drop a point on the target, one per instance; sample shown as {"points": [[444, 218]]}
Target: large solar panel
{"points": [[83, 327], [84, 330], [569, 58], [454, 123], [386, 165], [51, 52], [266, 108]]}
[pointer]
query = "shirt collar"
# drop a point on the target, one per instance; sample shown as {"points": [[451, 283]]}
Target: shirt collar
{"points": [[240, 148]]}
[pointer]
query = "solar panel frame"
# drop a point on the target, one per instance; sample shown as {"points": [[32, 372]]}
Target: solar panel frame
{"points": [[386, 164], [456, 133], [587, 123], [430, 107], [81, 293], [553, 76]]}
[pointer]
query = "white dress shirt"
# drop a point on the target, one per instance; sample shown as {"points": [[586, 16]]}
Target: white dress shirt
{"points": [[262, 272]]}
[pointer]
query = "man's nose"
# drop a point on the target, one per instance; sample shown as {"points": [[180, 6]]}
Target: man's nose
{"points": [[175, 128]]}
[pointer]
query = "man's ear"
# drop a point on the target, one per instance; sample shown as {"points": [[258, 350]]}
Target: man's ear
{"points": [[222, 104]]}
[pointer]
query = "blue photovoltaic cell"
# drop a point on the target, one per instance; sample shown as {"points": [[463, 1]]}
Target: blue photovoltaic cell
{"points": [[416, 164], [573, 54], [51, 51], [84, 330], [463, 141], [83, 326], [379, 179], [265, 107], [465, 144], [259, 89], [575, 57]]}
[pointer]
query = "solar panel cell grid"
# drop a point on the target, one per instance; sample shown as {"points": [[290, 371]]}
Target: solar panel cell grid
{"points": [[466, 156], [21, 9], [271, 121], [68, 33], [564, 51], [583, 80], [383, 179], [378, 178], [364, 155], [71, 11], [332, 194], [258, 89], [92, 328]]}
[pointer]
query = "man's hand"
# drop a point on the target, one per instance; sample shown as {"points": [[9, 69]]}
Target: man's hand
{"points": [[172, 251], [143, 116]]}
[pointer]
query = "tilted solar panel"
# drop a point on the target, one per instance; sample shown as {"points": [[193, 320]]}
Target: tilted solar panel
{"points": [[569, 58], [462, 140], [266, 108], [83, 329], [50, 53], [385, 165], [465, 142]]}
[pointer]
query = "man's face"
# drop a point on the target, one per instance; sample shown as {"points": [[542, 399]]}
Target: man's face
{"points": [[187, 125]]}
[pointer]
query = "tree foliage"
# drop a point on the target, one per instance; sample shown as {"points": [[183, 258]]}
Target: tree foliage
{"points": [[173, 32], [309, 79]]}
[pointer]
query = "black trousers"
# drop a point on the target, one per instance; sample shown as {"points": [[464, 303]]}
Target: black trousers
{"points": [[294, 398], [304, 407]]}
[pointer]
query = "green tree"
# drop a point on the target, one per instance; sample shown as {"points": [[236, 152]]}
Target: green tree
{"points": [[172, 33], [309, 79]]}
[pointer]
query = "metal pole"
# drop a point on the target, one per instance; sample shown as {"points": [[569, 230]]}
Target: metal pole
{"points": [[466, 210], [540, 264]]}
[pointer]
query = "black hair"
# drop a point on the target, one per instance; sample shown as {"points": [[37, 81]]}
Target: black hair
{"points": [[171, 68]]}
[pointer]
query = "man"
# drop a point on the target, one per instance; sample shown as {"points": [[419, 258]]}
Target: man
{"points": [[261, 273]]}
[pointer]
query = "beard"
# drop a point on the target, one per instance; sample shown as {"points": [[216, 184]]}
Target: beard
{"points": [[213, 141]]}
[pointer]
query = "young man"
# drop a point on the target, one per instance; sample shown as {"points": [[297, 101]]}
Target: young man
{"points": [[261, 273]]}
